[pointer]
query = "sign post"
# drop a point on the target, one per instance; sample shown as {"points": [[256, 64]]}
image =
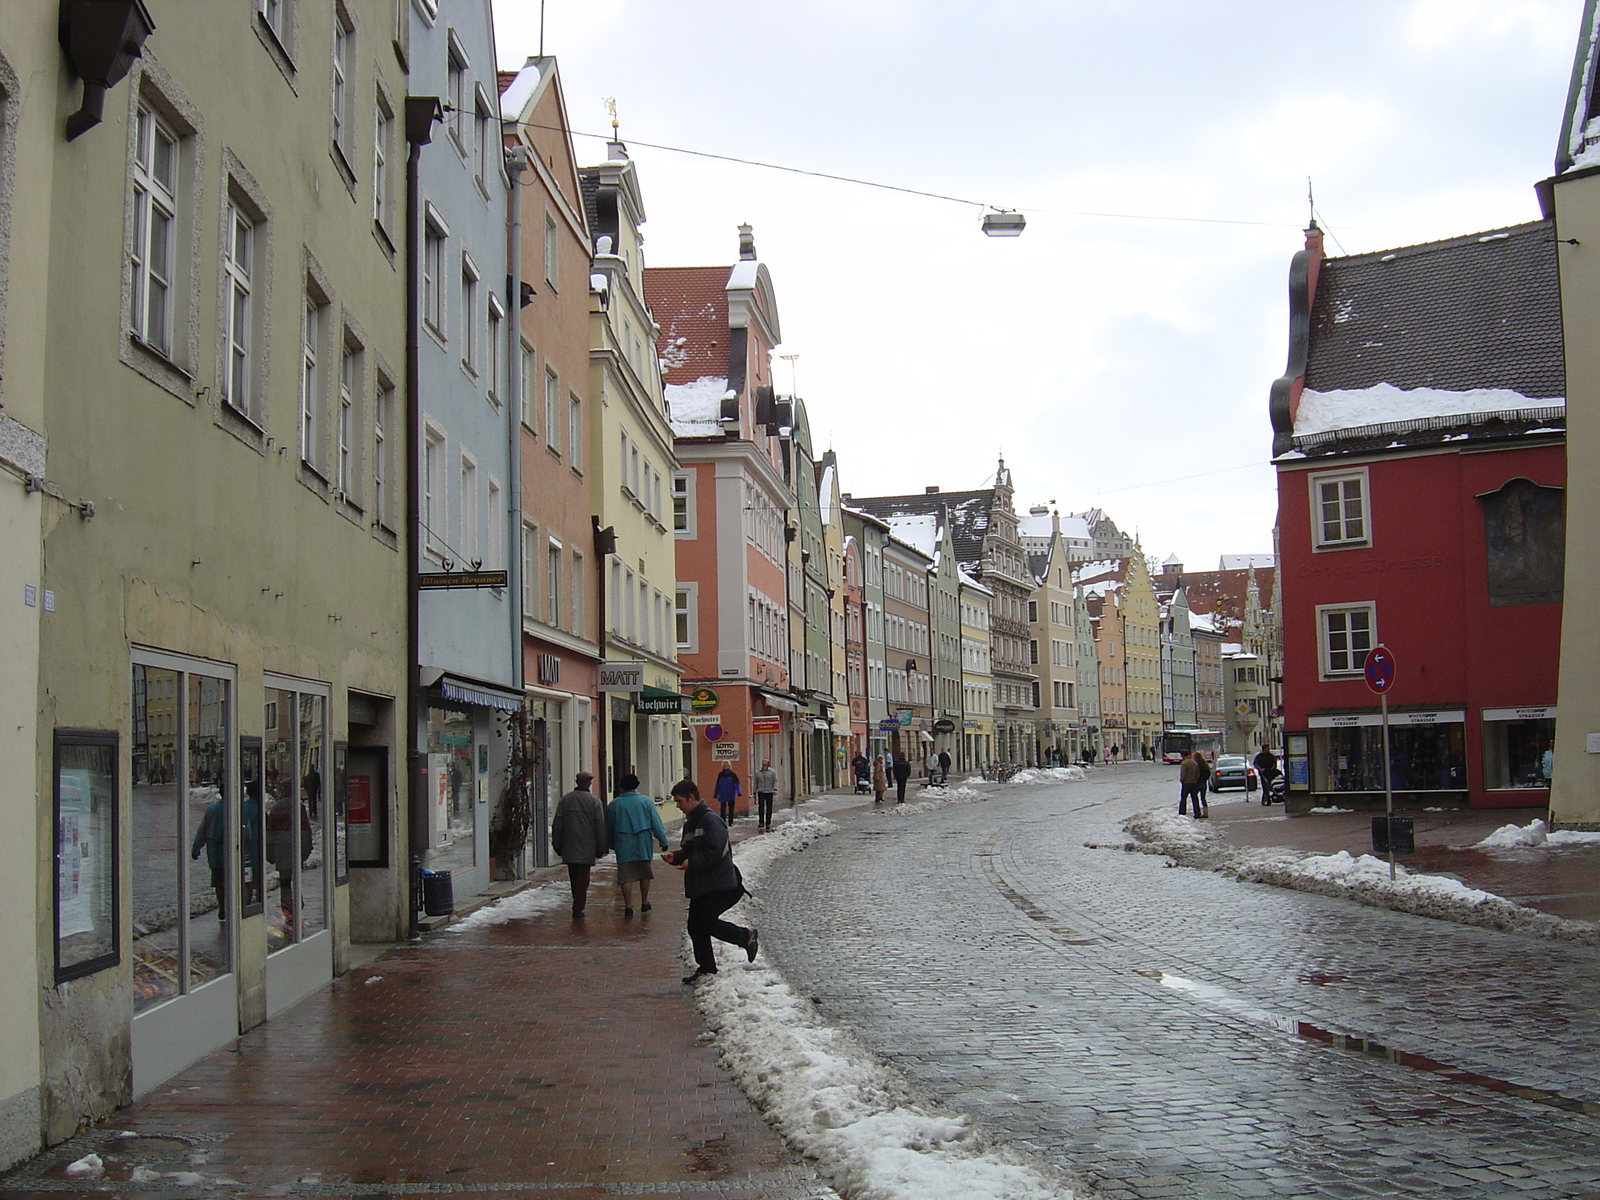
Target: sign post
{"points": [[1379, 672]]}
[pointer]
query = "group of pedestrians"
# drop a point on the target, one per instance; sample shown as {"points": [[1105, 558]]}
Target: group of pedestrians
{"points": [[1194, 778], [583, 831]]}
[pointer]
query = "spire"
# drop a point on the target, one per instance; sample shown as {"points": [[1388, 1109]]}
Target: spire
{"points": [[747, 243]]}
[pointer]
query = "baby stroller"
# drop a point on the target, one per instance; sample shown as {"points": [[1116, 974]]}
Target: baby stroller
{"points": [[863, 783]]}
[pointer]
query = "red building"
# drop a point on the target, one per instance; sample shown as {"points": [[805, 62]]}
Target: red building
{"points": [[1420, 451]]}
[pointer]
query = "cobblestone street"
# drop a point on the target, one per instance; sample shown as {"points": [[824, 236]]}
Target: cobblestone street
{"points": [[1169, 1032]]}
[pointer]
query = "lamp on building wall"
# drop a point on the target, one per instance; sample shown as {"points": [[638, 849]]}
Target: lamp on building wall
{"points": [[101, 38]]}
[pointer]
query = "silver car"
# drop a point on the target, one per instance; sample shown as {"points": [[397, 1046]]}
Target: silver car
{"points": [[1234, 771]]}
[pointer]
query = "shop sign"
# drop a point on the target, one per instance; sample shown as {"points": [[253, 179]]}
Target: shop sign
{"points": [[620, 677], [760, 725], [1540, 712], [906, 717], [702, 718], [703, 700], [1351, 720], [429, 580], [659, 704], [725, 752], [889, 723], [944, 725]]}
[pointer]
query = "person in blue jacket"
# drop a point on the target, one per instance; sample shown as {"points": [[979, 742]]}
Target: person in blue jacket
{"points": [[632, 824], [710, 880], [727, 789]]}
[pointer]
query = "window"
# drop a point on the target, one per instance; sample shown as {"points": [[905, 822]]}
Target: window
{"points": [[577, 594], [155, 203], [552, 409], [382, 149], [494, 349], [455, 95], [485, 141], [433, 485], [1347, 635], [382, 422], [469, 315], [574, 431], [237, 258], [349, 384], [552, 584], [311, 383], [551, 248], [526, 385], [529, 567], [434, 237], [86, 886], [467, 512], [343, 39], [1339, 511], [682, 504], [494, 518]]}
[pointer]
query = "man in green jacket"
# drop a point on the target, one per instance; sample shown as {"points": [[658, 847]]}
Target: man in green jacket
{"points": [[632, 824]]}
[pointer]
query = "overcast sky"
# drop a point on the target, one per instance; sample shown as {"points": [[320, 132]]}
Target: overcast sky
{"points": [[1114, 362]]}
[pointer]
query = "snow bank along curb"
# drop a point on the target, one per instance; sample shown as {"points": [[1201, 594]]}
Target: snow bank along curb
{"points": [[831, 1098], [1363, 879]]}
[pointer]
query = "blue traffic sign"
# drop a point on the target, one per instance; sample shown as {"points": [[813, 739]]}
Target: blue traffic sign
{"points": [[1379, 669]]}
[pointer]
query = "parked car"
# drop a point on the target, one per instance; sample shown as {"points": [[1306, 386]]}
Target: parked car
{"points": [[1234, 771]]}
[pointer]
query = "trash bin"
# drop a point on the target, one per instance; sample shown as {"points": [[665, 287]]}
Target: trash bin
{"points": [[1399, 831], [439, 893]]}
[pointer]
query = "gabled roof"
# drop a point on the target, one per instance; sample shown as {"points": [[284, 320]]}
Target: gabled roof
{"points": [[968, 514], [690, 304], [1419, 343]]}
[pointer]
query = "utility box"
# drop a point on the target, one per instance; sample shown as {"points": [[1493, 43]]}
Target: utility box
{"points": [[1399, 832]]}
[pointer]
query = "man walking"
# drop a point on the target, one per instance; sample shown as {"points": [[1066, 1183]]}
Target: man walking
{"points": [[944, 766], [766, 785], [710, 880], [632, 823], [902, 772], [1188, 782], [578, 836]]}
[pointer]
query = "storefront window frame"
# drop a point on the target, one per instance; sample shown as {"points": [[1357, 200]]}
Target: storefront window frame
{"points": [[109, 858]]}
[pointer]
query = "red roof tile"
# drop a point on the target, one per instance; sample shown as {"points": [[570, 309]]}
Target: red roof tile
{"points": [[691, 306]]}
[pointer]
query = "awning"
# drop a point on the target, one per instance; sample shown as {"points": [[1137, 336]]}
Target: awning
{"points": [[778, 701], [819, 723], [659, 700], [471, 691]]}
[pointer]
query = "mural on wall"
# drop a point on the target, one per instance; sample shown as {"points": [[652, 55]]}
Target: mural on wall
{"points": [[1525, 541]]}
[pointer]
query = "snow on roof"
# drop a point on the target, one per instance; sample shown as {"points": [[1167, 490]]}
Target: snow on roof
{"points": [[520, 90], [743, 275], [919, 532], [825, 494], [1035, 525], [1172, 560], [1385, 404], [696, 407], [1202, 620], [1232, 648], [1243, 562], [968, 581], [1090, 570]]}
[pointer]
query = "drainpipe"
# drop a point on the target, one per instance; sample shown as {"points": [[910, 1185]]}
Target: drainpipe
{"points": [[421, 113], [516, 163]]}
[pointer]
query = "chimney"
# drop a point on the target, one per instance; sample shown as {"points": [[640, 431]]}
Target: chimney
{"points": [[931, 490], [747, 243]]}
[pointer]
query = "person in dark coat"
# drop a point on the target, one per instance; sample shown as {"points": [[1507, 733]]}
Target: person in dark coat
{"points": [[727, 789], [578, 836], [902, 772], [710, 880], [944, 766]]}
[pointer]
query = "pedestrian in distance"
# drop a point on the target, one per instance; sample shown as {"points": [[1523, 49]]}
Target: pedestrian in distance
{"points": [[710, 880], [944, 766], [766, 785], [727, 789], [1202, 801], [578, 836], [880, 780], [212, 837], [931, 765], [902, 772], [632, 824], [1266, 765], [1189, 770]]}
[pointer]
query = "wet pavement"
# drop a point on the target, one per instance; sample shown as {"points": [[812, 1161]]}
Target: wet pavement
{"points": [[1170, 1032], [544, 1057]]}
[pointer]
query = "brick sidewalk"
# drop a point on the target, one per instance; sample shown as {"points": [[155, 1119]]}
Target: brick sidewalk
{"points": [[544, 1057]]}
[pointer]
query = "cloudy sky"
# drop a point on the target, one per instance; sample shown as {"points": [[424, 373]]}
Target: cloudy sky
{"points": [[1114, 360]]}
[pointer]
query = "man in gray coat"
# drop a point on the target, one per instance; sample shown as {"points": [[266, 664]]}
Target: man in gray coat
{"points": [[578, 836]]}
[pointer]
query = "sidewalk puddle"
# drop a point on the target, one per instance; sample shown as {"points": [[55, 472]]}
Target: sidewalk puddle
{"points": [[1220, 998]]}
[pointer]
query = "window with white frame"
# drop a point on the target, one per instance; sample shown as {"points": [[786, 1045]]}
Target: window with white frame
{"points": [[494, 349], [485, 139], [494, 521], [460, 110], [155, 242], [630, 615], [574, 431], [238, 259], [1347, 632], [467, 512], [343, 61], [433, 489], [1340, 515], [684, 616], [578, 595], [552, 583], [435, 233], [552, 410], [312, 385], [530, 570], [469, 315], [348, 453], [527, 385], [683, 504], [278, 17], [382, 423], [382, 150], [552, 247]]}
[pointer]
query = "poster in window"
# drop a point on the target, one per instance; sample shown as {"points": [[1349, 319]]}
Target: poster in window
{"points": [[1525, 542], [86, 851]]}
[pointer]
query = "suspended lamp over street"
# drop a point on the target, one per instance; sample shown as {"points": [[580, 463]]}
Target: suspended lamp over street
{"points": [[1004, 223]]}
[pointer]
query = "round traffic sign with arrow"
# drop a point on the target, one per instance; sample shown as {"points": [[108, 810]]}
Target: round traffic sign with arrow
{"points": [[1379, 669]]}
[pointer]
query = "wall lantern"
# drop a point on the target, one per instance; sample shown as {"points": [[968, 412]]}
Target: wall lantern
{"points": [[1004, 223], [101, 38]]}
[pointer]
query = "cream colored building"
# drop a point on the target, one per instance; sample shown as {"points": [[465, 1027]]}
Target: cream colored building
{"points": [[636, 492], [1573, 198], [975, 744], [223, 381]]}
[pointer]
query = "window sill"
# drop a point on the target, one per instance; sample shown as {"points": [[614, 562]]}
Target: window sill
{"points": [[381, 236], [342, 165], [1325, 547], [277, 50]]}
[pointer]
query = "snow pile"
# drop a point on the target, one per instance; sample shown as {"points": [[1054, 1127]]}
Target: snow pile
{"points": [[839, 1105], [524, 904], [755, 855], [1363, 879], [90, 1166], [1048, 775], [930, 798], [1385, 404], [696, 407], [1536, 833]]}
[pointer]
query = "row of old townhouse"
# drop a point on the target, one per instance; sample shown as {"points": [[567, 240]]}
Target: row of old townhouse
{"points": [[366, 487]]}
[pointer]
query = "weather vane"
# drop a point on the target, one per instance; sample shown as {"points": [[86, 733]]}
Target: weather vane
{"points": [[611, 107]]}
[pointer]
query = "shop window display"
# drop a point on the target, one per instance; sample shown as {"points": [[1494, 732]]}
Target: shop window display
{"points": [[1422, 758]]}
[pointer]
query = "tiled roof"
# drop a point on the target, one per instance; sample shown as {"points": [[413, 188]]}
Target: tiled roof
{"points": [[503, 80], [968, 513], [1221, 593], [1476, 312], [690, 305]]}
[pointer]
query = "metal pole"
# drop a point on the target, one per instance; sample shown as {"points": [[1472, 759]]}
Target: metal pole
{"points": [[1388, 785]]}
